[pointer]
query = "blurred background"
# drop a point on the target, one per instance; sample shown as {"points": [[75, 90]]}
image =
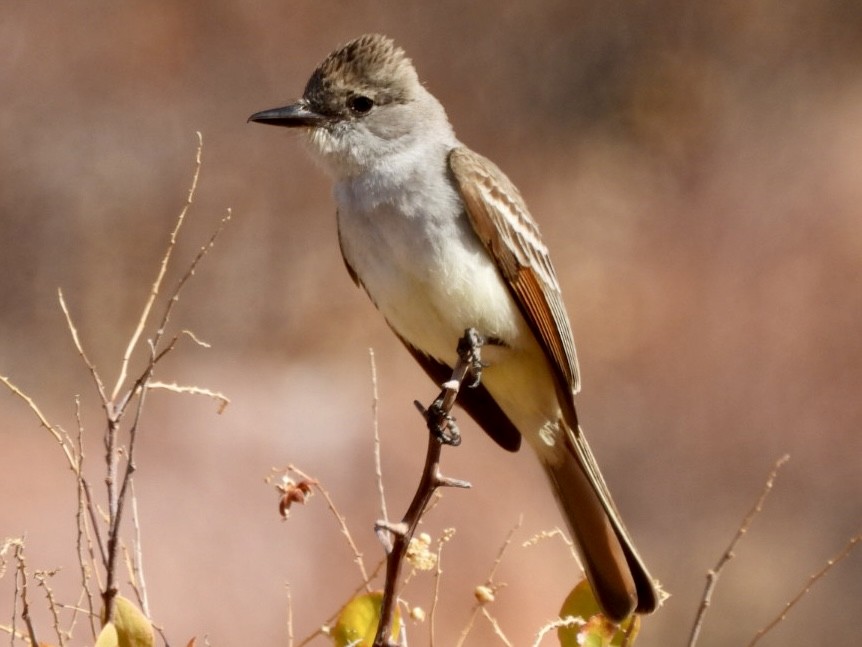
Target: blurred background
{"points": [[697, 172]]}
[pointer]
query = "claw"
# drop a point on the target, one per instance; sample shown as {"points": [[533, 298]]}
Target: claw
{"points": [[442, 425]]}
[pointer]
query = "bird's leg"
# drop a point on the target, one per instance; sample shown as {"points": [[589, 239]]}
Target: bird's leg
{"points": [[470, 352], [440, 421]]}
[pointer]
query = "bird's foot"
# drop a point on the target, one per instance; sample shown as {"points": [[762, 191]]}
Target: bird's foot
{"points": [[440, 423]]}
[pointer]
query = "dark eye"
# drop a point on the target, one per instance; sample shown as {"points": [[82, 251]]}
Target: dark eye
{"points": [[360, 104]]}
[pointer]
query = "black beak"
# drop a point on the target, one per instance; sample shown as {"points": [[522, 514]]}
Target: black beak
{"points": [[297, 115]]}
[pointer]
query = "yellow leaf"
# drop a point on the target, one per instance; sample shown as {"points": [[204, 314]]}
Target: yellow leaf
{"points": [[133, 627], [357, 624], [108, 636], [591, 628]]}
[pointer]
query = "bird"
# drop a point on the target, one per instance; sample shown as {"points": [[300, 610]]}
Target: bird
{"points": [[442, 241]]}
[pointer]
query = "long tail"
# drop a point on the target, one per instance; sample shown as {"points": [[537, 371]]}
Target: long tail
{"points": [[616, 572]]}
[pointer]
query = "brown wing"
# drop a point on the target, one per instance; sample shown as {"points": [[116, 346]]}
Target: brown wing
{"points": [[501, 220]]}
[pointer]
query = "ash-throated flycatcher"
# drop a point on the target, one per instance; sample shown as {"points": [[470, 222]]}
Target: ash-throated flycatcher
{"points": [[442, 241]]}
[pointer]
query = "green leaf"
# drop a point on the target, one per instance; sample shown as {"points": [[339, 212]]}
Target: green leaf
{"points": [[357, 624], [133, 627], [591, 628]]}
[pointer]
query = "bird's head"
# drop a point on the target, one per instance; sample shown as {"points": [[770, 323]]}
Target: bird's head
{"points": [[362, 104]]}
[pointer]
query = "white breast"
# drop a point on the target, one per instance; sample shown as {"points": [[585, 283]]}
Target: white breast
{"points": [[410, 243]]}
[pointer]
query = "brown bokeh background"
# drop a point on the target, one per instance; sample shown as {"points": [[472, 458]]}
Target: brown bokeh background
{"points": [[697, 172]]}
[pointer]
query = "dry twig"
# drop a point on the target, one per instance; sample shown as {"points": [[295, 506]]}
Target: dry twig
{"points": [[42, 578], [378, 468], [21, 574], [321, 630], [713, 575], [154, 290], [812, 580], [485, 593], [559, 623], [438, 572], [289, 617], [94, 549], [342, 523]]}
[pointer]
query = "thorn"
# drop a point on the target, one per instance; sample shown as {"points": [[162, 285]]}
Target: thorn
{"points": [[445, 481], [386, 529], [399, 528]]}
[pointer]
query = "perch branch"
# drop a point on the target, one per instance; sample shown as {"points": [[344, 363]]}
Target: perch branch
{"points": [[442, 430]]}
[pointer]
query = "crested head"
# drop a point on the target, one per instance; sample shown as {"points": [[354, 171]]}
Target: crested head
{"points": [[363, 107], [370, 66]]}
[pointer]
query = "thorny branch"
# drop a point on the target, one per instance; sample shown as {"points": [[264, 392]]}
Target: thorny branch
{"points": [[442, 430]]}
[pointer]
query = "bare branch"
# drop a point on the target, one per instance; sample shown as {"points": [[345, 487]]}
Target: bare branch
{"points": [[83, 538], [85, 503], [328, 622], [503, 549], [42, 578], [154, 290], [54, 431], [812, 580], [396, 537], [219, 397], [91, 521], [559, 534], [342, 522], [559, 623], [200, 342], [378, 468], [117, 504], [77, 610], [496, 626], [713, 575], [485, 593], [25, 605], [175, 296], [438, 573], [97, 380], [156, 354], [137, 570], [289, 617], [116, 498]]}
